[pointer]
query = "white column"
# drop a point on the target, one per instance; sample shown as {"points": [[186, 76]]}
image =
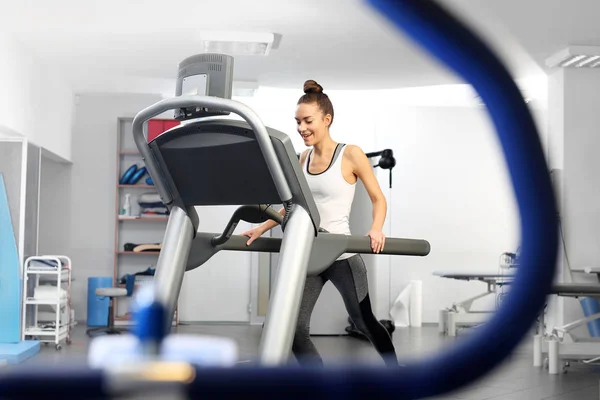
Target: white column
{"points": [[574, 140]]}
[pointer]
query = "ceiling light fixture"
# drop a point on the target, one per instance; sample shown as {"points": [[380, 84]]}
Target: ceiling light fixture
{"points": [[237, 43], [575, 57]]}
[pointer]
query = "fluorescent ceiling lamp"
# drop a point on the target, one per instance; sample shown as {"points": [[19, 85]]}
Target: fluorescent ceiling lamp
{"points": [[575, 57], [237, 43]]}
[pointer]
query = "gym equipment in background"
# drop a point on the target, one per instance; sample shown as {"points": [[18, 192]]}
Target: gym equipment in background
{"points": [[386, 160], [460, 313], [128, 174], [196, 78], [509, 259], [132, 175], [135, 178], [445, 37], [560, 343]]}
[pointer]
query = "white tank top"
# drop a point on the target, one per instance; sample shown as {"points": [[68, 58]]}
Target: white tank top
{"points": [[333, 194]]}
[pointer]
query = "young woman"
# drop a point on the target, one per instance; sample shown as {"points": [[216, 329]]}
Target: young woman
{"points": [[332, 170]]}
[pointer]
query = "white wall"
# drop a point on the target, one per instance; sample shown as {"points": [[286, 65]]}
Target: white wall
{"points": [[85, 214], [277, 109], [450, 187], [55, 208], [36, 100]]}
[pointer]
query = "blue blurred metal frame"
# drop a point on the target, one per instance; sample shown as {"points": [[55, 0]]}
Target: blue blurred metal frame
{"points": [[452, 43]]}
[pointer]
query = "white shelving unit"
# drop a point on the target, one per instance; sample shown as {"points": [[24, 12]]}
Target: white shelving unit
{"points": [[135, 228], [53, 274]]}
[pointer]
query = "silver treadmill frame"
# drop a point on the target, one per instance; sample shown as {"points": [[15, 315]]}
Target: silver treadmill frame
{"points": [[296, 245]]}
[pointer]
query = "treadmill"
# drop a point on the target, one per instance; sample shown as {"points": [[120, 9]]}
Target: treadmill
{"points": [[258, 166]]}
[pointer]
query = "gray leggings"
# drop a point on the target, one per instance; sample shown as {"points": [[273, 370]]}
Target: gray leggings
{"points": [[349, 276]]}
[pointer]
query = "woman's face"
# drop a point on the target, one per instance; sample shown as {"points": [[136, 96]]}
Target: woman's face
{"points": [[312, 125]]}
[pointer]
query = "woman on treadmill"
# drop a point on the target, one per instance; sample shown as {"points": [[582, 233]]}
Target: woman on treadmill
{"points": [[332, 170]]}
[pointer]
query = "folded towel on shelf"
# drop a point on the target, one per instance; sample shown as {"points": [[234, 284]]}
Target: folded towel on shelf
{"points": [[47, 325], [48, 292], [151, 205], [152, 198], [42, 265], [151, 215], [158, 210]]}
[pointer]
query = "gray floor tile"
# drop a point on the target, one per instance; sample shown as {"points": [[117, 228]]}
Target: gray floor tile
{"points": [[514, 379], [516, 384], [544, 391], [481, 393], [518, 396], [442, 398], [589, 393]]}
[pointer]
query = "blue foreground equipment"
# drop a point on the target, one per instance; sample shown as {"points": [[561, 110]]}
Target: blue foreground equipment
{"points": [[465, 54]]}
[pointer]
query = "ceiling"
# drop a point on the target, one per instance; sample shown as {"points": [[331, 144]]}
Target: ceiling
{"points": [[135, 45]]}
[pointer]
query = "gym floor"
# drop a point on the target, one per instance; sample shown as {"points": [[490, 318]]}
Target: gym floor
{"points": [[516, 379]]}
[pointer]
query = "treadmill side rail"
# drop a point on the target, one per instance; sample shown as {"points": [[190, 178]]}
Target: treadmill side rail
{"points": [[284, 305]]}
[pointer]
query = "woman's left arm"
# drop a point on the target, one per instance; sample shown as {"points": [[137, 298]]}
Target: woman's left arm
{"points": [[364, 171]]}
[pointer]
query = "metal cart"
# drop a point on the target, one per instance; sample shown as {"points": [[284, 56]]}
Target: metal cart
{"points": [[47, 283]]}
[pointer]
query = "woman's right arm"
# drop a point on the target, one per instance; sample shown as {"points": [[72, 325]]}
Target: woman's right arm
{"points": [[270, 224]]}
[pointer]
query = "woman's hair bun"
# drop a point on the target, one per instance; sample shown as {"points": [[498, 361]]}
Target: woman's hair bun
{"points": [[311, 86]]}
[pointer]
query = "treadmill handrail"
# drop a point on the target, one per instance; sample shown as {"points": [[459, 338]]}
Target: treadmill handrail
{"points": [[327, 247], [354, 244], [140, 130], [261, 212]]}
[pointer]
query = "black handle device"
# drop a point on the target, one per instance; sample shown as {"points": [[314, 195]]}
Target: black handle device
{"points": [[386, 160]]}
